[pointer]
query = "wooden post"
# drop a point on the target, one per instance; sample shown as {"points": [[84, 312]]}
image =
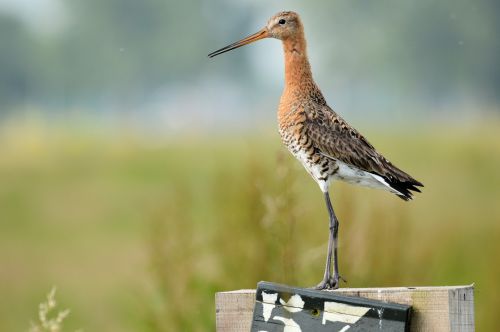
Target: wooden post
{"points": [[449, 308]]}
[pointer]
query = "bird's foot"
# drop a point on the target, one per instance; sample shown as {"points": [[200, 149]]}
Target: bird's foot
{"points": [[324, 284], [330, 283]]}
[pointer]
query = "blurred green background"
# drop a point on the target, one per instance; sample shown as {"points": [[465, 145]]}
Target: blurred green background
{"points": [[140, 177]]}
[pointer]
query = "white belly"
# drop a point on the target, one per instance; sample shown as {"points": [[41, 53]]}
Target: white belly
{"points": [[345, 172], [313, 169], [351, 174]]}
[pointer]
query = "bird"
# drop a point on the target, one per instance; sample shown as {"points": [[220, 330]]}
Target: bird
{"points": [[327, 146]]}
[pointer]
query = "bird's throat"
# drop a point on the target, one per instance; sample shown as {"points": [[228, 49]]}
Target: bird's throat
{"points": [[297, 68]]}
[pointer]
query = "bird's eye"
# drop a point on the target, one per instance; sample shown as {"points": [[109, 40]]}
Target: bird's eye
{"points": [[282, 21]]}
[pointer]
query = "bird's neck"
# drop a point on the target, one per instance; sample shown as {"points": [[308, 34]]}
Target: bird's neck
{"points": [[297, 67]]}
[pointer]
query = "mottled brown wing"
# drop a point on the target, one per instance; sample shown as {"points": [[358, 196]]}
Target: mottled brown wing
{"points": [[335, 138]]}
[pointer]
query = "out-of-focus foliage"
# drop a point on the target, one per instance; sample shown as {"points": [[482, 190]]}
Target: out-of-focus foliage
{"points": [[139, 237], [49, 318]]}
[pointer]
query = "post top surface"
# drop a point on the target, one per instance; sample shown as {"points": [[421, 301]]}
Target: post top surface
{"points": [[374, 289]]}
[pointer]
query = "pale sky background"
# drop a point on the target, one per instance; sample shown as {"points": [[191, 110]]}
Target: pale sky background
{"points": [[388, 62], [44, 16]]}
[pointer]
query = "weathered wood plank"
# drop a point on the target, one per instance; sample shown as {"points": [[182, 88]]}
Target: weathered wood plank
{"points": [[449, 308], [233, 310], [281, 308]]}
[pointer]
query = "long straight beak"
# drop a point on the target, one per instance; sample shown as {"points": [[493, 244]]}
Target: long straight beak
{"points": [[250, 39]]}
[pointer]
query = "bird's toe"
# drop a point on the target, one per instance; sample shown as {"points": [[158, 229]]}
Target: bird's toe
{"points": [[324, 284]]}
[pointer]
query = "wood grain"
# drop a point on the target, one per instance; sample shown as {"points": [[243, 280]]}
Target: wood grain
{"points": [[439, 309]]}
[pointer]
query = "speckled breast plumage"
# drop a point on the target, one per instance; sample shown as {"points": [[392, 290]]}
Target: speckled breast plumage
{"points": [[295, 137]]}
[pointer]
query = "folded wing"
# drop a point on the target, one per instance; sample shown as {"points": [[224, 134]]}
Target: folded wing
{"points": [[333, 137]]}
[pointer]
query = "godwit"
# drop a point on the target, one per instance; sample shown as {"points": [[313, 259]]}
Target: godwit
{"points": [[326, 145]]}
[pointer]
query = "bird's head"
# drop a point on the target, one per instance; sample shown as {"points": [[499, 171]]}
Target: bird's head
{"points": [[283, 26]]}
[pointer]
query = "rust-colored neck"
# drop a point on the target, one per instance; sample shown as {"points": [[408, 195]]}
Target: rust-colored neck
{"points": [[297, 69]]}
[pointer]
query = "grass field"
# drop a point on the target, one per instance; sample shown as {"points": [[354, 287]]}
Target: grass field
{"points": [[138, 235]]}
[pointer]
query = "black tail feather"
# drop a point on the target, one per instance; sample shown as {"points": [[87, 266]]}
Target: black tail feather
{"points": [[405, 189]]}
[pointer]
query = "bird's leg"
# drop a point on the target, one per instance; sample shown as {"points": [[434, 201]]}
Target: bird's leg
{"points": [[329, 281], [325, 283]]}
